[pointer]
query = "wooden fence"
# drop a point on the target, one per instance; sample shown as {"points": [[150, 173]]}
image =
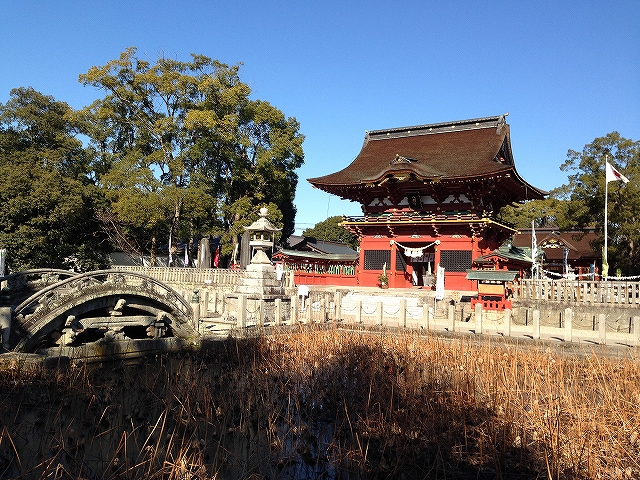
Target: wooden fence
{"points": [[618, 293]]}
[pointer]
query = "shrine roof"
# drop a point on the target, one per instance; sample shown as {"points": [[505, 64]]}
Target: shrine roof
{"points": [[308, 255], [493, 275], [442, 151], [507, 251], [302, 243], [553, 243]]}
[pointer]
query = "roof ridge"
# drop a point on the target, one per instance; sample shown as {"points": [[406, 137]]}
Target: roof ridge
{"points": [[484, 122]]}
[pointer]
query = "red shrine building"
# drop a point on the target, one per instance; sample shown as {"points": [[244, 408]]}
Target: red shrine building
{"points": [[430, 195]]}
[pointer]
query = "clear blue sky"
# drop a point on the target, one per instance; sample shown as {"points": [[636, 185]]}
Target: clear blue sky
{"points": [[567, 72]]}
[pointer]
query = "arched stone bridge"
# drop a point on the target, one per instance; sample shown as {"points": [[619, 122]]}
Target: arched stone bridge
{"points": [[69, 309]]}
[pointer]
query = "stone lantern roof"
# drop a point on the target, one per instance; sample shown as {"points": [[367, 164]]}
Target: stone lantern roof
{"points": [[262, 224], [261, 231]]}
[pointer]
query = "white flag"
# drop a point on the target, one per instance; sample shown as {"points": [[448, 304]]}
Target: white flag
{"points": [[614, 175]]}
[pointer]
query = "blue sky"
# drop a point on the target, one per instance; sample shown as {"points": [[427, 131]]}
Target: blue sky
{"points": [[567, 72]]}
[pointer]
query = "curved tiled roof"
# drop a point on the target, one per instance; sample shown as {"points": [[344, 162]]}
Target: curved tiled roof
{"points": [[344, 257], [443, 151]]}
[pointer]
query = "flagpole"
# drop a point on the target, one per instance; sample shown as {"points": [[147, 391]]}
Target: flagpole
{"points": [[611, 175], [606, 221]]}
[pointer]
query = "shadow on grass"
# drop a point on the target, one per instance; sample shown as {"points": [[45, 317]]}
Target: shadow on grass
{"points": [[257, 408]]}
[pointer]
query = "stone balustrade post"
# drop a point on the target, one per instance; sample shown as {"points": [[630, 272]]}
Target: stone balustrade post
{"points": [[379, 313], [478, 310], [402, 312], [536, 324], [338, 306], [261, 311], [636, 331], [451, 317], [602, 329], [507, 322], [5, 326], [308, 310], [242, 311], [278, 312], [568, 325], [323, 309], [195, 307], [358, 317], [294, 309], [205, 303]]}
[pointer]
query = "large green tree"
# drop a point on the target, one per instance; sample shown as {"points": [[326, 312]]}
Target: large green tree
{"points": [[181, 143], [46, 186], [580, 203], [549, 211], [330, 229], [585, 194]]}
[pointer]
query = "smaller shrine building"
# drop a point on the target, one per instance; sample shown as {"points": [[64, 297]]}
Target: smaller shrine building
{"points": [[574, 254], [318, 262]]}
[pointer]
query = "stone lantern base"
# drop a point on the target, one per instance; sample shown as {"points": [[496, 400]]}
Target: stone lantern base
{"points": [[259, 279]]}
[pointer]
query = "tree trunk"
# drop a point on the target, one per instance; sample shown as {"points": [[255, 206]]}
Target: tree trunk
{"points": [[154, 242], [191, 243], [235, 255], [175, 223]]}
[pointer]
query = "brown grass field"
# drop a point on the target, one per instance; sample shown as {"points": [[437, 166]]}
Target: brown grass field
{"points": [[326, 403]]}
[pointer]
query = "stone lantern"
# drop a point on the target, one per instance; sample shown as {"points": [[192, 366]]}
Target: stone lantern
{"points": [[262, 233], [259, 280]]}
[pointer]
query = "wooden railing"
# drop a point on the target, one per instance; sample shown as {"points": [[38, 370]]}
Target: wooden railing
{"points": [[582, 292]]}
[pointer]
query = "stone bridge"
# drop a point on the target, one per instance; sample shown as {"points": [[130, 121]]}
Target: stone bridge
{"points": [[50, 308]]}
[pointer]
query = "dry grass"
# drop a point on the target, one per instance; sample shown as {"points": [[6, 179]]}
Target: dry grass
{"points": [[326, 404]]}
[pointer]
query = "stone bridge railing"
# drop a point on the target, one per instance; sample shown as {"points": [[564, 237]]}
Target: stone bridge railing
{"points": [[40, 313], [188, 276], [36, 278], [91, 283]]}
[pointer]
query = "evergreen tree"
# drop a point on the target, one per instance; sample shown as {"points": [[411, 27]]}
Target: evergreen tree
{"points": [[46, 187], [585, 196], [181, 142], [330, 229], [580, 203]]}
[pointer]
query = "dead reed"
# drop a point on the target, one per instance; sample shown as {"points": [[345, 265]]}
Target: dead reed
{"points": [[326, 403]]}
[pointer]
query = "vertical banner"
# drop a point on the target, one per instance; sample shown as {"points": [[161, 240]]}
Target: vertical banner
{"points": [[3, 256], [216, 258], [534, 252], [440, 283]]}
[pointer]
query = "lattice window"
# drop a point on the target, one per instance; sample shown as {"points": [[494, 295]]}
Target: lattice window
{"points": [[375, 259], [455, 260]]}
